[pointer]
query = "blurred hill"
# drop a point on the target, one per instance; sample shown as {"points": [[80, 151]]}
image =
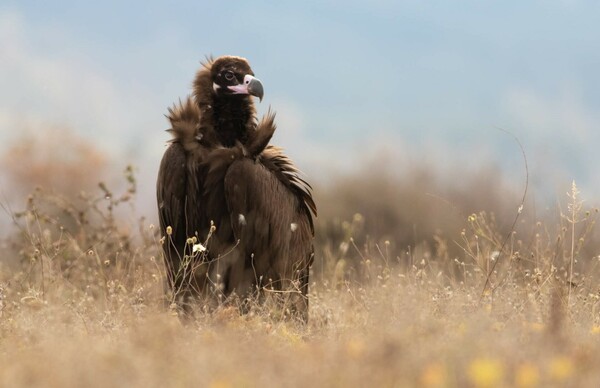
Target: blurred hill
{"points": [[380, 201], [56, 159]]}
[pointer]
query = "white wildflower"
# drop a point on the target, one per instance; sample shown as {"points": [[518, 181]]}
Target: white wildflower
{"points": [[198, 248]]}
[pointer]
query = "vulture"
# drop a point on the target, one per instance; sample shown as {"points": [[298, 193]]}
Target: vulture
{"points": [[236, 215]]}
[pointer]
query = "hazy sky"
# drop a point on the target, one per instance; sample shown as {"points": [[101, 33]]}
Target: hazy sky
{"points": [[428, 79]]}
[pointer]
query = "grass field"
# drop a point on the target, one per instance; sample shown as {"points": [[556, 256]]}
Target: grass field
{"points": [[81, 304]]}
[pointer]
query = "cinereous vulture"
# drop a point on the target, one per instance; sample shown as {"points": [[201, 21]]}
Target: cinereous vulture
{"points": [[236, 216]]}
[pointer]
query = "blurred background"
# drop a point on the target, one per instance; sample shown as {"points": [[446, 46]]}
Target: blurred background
{"points": [[396, 110]]}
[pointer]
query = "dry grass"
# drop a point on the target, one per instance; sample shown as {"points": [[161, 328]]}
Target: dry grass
{"points": [[397, 295], [81, 296]]}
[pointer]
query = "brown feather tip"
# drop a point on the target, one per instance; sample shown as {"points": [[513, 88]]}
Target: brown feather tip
{"points": [[202, 84], [260, 138], [185, 120], [187, 112]]}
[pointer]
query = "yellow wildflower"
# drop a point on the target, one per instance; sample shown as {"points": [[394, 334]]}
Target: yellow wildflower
{"points": [[485, 372], [561, 368]]}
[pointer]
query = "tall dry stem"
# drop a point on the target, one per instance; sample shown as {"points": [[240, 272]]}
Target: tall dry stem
{"points": [[573, 217]]}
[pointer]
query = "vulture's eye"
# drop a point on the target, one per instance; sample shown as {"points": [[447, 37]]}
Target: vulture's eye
{"points": [[229, 76]]}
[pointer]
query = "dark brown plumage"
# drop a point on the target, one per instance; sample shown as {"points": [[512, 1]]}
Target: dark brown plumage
{"points": [[220, 177]]}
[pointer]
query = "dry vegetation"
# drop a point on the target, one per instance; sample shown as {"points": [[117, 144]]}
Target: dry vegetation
{"points": [[397, 297]]}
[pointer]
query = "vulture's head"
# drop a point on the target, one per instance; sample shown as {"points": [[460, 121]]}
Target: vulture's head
{"points": [[223, 91], [233, 77]]}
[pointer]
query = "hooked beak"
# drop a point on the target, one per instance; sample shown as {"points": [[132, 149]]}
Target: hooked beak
{"points": [[251, 86]]}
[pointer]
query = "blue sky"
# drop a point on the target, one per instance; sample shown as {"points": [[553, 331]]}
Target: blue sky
{"points": [[418, 81]]}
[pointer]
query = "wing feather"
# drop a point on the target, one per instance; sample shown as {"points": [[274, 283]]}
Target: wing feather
{"points": [[270, 223], [279, 164]]}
